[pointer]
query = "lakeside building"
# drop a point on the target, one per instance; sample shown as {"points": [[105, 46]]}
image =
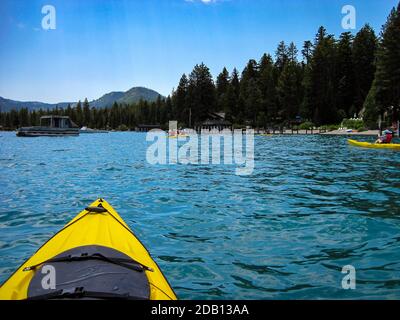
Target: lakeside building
{"points": [[147, 127], [215, 121]]}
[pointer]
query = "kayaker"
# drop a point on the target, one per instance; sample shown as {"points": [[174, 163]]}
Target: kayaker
{"points": [[386, 137]]}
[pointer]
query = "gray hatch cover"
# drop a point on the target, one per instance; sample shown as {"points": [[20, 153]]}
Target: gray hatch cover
{"points": [[96, 272]]}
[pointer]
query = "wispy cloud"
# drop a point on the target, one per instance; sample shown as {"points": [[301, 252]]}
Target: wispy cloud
{"points": [[203, 1], [20, 25]]}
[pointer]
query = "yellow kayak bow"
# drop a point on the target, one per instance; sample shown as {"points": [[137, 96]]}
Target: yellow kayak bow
{"points": [[95, 256]]}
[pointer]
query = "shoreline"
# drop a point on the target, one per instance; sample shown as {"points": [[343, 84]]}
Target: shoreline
{"points": [[286, 132], [374, 133]]}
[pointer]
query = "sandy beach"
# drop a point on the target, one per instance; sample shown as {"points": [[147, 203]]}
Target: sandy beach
{"points": [[332, 133], [344, 133]]}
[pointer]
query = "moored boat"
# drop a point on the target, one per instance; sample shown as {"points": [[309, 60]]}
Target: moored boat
{"points": [[51, 126]]}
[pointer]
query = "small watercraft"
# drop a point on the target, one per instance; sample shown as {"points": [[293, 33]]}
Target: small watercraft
{"points": [[95, 256], [178, 136], [90, 130], [51, 126], [374, 145]]}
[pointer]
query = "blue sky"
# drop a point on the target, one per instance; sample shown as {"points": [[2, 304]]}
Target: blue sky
{"points": [[100, 46]]}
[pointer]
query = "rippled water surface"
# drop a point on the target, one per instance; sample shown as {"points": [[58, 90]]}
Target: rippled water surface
{"points": [[312, 206]]}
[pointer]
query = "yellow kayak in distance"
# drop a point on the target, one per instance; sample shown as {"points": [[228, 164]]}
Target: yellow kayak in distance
{"points": [[374, 145], [178, 136], [95, 256]]}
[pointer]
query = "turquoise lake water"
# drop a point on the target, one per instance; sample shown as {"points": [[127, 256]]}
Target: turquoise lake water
{"points": [[312, 205]]}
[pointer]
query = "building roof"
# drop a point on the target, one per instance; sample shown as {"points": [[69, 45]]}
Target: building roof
{"points": [[212, 122]]}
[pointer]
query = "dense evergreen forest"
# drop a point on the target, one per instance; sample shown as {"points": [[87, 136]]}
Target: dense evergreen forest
{"points": [[333, 80]]}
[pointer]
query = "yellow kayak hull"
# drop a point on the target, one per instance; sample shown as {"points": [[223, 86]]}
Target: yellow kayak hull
{"points": [[373, 145], [87, 229], [178, 136]]}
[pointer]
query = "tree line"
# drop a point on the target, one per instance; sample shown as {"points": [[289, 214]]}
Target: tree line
{"points": [[329, 80]]}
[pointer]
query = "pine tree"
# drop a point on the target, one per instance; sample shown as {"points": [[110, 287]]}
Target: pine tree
{"points": [[115, 120], [34, 118], [93, 118], [23, 117], [387, 75], [281, 56], [307, 105], [158, 106], [166, 111], [222, 82], [86, 112], [79, 114], [232, 97], [364, 51], [221, 90], [307, 51], [371, 112], [201, 93], [320, 81], [145, 111], [290, 91], [8, 122], [14, 119], [235, 82], [250, 98], [292, 52], [267, 87], [250, 71], [345, 75], [180, 103], [68, 111], [252, 101]]}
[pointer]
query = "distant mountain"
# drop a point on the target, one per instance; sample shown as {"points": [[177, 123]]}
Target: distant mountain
{"points": [[131, 96], [139, 93], [106, 100], [7, 105]]}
